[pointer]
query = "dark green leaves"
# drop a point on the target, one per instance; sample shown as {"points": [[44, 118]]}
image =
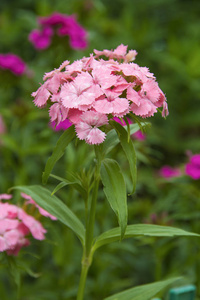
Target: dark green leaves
{"points": [[129, 150], [58, 152], [140, 230], [143, 292], [112, 138], [115, 190], [55, 207]]}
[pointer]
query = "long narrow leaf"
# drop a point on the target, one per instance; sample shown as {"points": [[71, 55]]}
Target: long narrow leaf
{"points": [[143, 292], [112, 138], [58, 152], [129, 150], [140, 230], [56, 207], [74, 182], [115, 190]]}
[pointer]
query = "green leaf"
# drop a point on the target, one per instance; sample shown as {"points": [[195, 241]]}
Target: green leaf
{"points": [[75, 182], [56, 207], [140, 230], [58, 152], [129, 150], [112, 138], [115, 190], [143, 292]]}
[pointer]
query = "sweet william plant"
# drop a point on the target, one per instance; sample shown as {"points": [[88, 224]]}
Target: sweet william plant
{"points": [[91, 94]]}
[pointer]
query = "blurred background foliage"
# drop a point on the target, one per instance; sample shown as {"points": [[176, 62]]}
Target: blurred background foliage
{"points": [[165, 33]]}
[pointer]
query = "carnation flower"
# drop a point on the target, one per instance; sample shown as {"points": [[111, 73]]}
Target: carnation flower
{"points": [[13, 63], [16, 225], [66, 25], [192, 168], [100, 89]]}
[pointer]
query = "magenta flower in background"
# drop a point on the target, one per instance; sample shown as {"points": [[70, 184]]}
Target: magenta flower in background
{"points": [[139, 135], [91, 91], [169, 172], [41, 39], [192, 168], [65, 25], [16, 225], [2, 125], [13, 63]]}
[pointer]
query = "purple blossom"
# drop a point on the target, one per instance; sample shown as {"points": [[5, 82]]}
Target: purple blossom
{"points": [[169, 172], [63, 125], [192, 168], [13, 63], [41, 39], [66, 25]]}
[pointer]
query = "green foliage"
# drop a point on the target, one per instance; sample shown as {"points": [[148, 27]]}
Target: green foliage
{"points": [[144, 292], [58, 152], [55, 207], [129, 150], [165, 34], [140, 230], [115, 190]]}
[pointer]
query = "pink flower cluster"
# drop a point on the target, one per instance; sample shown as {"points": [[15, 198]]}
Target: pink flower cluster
{"points": [[16, 224], [91, 91], [13, 63], [67, 25], [192, 168], [169, 172]]}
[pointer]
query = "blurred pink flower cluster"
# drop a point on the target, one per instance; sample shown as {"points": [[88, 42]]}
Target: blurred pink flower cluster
{"points": [[16, 224], [169, 172], [92, 90], [192, 168], [13, 63], [66, 25]]}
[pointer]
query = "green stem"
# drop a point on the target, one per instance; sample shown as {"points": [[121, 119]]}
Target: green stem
{"points": [[87, 251], [83, 277]]}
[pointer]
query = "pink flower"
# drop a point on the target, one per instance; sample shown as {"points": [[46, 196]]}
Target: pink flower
{"points": [[114, 87], [169, 172], [66, 25], [63, 125], [41, 39], [80, 93], [16, 225], [5, 196], [139, 135], [13, 63], [192, 168], [118, 53], [88, 130], [121, 121]]}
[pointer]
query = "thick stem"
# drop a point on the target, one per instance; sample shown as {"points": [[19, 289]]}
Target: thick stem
{"points": [[82, 281], [87, 253]]}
